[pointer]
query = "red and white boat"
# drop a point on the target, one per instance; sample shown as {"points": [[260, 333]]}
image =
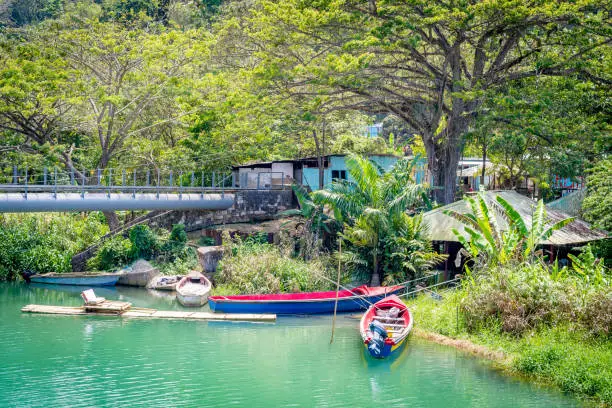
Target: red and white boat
{"points": [[385, 326]]}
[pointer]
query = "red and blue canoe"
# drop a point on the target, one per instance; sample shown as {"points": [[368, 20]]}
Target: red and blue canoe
{"points": [[385, 326], [352, 300]]}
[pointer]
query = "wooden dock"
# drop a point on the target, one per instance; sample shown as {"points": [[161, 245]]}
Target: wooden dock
{"points": [[134, 312]]}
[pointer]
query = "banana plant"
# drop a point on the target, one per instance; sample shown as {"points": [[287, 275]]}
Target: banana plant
{"points": [[589, 267], [485, 239]]}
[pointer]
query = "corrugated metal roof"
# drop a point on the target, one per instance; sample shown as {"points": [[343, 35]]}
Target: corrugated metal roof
{"points": [[570, 204], [577, 232]]}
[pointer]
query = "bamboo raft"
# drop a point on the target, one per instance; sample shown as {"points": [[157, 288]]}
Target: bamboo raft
{"points": [[125, 309]]}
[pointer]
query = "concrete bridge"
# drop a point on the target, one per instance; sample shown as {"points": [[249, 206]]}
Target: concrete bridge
{"points": [[118, 190], [197, 199]]}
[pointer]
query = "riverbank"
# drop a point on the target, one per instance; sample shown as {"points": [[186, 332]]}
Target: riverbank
{"points": [[563, 356]]}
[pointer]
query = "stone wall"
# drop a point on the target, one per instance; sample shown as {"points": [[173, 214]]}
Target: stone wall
{"points": [[249, 206]]}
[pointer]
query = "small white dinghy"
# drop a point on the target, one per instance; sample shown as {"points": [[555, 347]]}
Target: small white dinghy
{"points": [[193, 290]]}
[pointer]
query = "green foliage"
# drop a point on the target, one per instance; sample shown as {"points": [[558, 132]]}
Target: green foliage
{"points": [[169, 251], [178, 262], [408, 251], [372, 205], [597, 205], [206, 241], [566, 361], [539, 127], [24, 12], [484, 238], [177, 239], [488, 48], [318, 227], [129, 10], [589, 267], [178, 234], [43, 243], [555, 329], [145, 243], [115, 252], [249, 268]]}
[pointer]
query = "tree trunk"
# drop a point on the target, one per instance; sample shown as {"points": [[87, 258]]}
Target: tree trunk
{"points": [[375, 279], [111, 217], [112, 220], [484, 160], [442, 162], [320, 162], [444, 150]]}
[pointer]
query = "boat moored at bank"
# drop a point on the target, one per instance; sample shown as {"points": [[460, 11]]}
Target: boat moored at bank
{"points": [[73, 278], [303, 303], [385, 326], [193, 290]]}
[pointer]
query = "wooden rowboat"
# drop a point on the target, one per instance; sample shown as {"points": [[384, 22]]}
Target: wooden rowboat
{"points": [[73, 278], [302, 303], [385, 326], [193, 290]]}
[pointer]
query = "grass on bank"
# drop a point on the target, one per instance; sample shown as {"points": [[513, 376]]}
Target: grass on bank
{"points": [[250, 266], [563, 354]]}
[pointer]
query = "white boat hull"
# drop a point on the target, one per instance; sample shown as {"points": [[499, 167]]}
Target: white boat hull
{"points": [[191, 300], [193, 290]]}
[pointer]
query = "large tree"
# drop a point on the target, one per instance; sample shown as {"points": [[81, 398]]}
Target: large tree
{"points": [[544, 127], [428, 62], [107, 82]]}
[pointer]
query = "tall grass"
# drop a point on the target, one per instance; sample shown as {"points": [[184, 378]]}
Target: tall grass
{"points": [[253, 267], [553, 325]]}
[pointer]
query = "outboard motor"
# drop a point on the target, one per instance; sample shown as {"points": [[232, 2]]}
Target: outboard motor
{"points": [[379, 345]]}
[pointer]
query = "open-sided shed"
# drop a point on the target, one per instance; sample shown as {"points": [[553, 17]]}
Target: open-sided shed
{"points": [[574, 234]]}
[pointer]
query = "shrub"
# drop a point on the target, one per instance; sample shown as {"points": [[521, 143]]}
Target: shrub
{"points": [[180, 265], [145, 243], [263, 268], [206, 241], [114, 253], [521, 298], [178, 234], [45, 243], [158, 246], [597, 315]]}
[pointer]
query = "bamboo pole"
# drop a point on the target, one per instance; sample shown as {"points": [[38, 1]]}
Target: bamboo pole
{"points": [[337, 290]]}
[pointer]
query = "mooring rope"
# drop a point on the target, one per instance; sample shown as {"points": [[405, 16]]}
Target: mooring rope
{"points": [[367, 302]]}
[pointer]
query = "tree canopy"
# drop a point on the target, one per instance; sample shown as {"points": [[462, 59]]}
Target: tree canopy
{"points": [[211, 84]]}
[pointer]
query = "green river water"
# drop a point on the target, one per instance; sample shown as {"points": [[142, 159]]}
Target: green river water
{"points": [[55, 361]]}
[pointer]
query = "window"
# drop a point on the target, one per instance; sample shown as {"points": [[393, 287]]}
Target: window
{"points": [[338, 174]]}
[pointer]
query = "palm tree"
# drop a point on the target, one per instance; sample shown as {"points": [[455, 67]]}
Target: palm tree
{"points": [[409, 245], [370, 204]]}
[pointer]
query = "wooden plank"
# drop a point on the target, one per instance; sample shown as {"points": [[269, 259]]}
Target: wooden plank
{"points": [[163, 314], [235, 316], [109, 306], [60, 310], [150, 313]]}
